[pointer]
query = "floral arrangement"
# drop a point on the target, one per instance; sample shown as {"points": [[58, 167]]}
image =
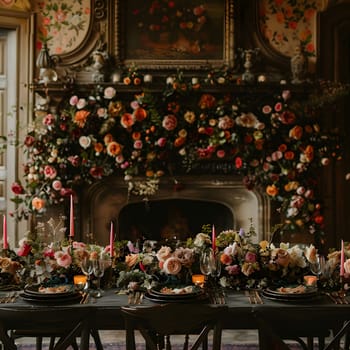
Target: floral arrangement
{"points": [[242, 264], [273, 141], [54, 262]]}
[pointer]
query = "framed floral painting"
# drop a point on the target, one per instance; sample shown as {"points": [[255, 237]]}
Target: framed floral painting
{"points": [[168, 34]]}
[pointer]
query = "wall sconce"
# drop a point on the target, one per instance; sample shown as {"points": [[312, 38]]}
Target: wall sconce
{"points": [[45, 64]]}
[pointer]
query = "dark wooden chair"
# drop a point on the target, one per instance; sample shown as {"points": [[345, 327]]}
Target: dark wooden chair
{"points": [[158, 323], [272, 334], [64, 324]]}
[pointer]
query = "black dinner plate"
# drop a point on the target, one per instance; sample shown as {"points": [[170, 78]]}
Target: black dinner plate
{"points": [[274, 291], [273, 294], [33, 291], [166, 298], [67, 299], [156, 292]]}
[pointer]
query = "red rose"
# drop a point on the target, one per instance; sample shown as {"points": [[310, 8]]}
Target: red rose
{"points": [[17, 188], [24, 250]]}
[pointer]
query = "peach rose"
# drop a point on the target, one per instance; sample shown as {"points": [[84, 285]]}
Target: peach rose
{"points": [[131, 260], [163, 253], [172, 266], [38, 203]]}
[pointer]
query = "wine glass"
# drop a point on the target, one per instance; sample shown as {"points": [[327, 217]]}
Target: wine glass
{"points": [[318, 267], [207, 262], [87, 269], [98, 267]]}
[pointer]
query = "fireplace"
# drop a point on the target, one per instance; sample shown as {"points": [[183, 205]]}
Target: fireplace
{"points": [[222, 201]]}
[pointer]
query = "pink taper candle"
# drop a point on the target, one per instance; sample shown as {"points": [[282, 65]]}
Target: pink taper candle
{"points": [[111, 240], [71, 217], [5, 244], [342, 259], [213, 238]]}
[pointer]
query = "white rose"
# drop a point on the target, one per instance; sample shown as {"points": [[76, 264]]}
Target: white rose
{"points": [[84, 141]]}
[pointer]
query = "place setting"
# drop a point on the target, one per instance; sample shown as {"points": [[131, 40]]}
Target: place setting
{"points": [[57, 294]]}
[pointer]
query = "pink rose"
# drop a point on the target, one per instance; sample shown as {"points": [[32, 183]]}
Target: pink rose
{"points": [[49, 120], [101, 112], [169, 122], [267, 109], [233, 270], [220, 153], [29, 140], [109, 92], [50, 172], [225, 123], [161, 142], [63, 259], [134, 105], [138, 144], [250, 257], [73, 100], [79, 245], [74, 160], [57, 185]]}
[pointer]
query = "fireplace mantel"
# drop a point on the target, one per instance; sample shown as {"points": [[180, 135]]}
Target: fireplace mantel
{"points": [[103, 201]]}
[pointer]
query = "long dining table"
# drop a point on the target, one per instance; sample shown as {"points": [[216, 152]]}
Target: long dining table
{"points": [[285, 319]]}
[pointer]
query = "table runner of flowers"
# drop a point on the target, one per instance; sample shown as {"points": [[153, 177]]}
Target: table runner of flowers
{"points": [[272, 140], [244, 264]]}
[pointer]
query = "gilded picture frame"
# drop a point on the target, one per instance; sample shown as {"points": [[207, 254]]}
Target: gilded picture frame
{"points": [[191, 36]]}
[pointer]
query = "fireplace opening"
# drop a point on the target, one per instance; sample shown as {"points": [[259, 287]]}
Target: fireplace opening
{"points": [[176, 219], [203, 199]]}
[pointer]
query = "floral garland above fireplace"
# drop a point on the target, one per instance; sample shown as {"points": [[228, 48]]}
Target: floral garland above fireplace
{"points": [[273, 140]]}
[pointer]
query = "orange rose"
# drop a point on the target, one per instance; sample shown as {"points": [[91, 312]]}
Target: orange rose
{"points": [[140, 114], [38, 203], [149, 173], [113, 148], [309, 153], [136, 135], [80, 118], [127, 120], [127, 81], [225, 259], [137, 81], [98, 147], [296, 132], [272, 190], [179, 141]]}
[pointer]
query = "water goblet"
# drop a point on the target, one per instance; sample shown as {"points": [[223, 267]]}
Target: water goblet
{"points": [[98, 267], [318, 267], [87, 270], [207, 263]]}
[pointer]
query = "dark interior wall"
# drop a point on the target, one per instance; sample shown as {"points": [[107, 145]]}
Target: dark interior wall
{"points": [[334, 64]]}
